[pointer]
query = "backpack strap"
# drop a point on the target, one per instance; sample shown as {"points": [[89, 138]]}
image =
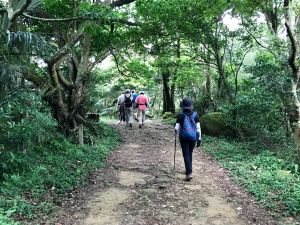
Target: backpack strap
{"points": [[194, 114]]}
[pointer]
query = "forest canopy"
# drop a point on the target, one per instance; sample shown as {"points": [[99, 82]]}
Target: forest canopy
{"points": [[236, 59]]}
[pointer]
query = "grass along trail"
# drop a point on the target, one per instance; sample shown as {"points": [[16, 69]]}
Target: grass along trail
{"points": [[139, 187]]}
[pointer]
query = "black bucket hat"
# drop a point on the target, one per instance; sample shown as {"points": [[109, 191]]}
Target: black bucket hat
{"points": [[186, 103]]}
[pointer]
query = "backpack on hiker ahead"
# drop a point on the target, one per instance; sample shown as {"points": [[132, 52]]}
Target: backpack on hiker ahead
{"points": [[128, 100], [188, 131]]}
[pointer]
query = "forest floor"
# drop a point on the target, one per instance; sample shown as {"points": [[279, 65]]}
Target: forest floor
{"points": [[139, 186]]}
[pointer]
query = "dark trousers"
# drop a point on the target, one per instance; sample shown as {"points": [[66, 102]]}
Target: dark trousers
{"points": [[187, 152], [122, 113]]}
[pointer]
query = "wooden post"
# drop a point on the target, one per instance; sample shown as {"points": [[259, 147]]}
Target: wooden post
{"points": [[80, 134]]}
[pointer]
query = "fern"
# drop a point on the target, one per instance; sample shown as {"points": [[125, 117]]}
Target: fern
{"points": [[27, 43]]}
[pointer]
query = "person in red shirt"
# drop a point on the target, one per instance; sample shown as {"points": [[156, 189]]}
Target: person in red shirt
{"points": [[141, 104]]}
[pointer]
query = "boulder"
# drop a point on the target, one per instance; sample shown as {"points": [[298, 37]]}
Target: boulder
{"points": [[213, 124]]}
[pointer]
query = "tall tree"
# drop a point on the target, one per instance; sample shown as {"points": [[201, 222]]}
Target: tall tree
{"points": [[81, 36]]}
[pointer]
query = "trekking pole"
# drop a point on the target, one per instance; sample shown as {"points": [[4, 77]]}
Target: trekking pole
{"points": [[174, 168]]}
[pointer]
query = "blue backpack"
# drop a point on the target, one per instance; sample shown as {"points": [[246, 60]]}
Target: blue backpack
{"points": [[189, 130]]}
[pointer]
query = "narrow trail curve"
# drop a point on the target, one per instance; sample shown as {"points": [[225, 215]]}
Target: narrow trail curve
{"points": [[139, 187]]}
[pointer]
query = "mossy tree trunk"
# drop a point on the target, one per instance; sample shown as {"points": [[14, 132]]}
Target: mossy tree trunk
{"points": [[294, 65]]}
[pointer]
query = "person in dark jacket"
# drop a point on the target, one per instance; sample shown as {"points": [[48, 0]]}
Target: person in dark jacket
{"points": [[188, 127], [128, 108]]}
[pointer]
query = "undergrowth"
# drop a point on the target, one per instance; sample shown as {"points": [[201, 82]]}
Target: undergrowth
{"points": [[39, 166], [35, 181], [273, 180]]}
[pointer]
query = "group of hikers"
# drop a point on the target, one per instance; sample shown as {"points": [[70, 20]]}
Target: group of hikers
{"points": [[132, 105], [187, 123]]}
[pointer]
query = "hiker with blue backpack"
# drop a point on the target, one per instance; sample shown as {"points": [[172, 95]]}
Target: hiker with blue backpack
{"points": [[188, 127]]}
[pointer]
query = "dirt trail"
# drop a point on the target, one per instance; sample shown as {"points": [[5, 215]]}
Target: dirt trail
{"points": [[139, 187]]}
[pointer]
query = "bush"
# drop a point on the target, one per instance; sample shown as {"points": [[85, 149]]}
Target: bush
{"points": [[256, 115], [39, 166], [260, 109], [25, 122], [204, 105], [168, 115], [4, 218], [48, 173], [273, 181]]}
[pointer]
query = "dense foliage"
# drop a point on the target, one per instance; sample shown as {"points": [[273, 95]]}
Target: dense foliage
{"points": [[39, 166], [238, 58]]}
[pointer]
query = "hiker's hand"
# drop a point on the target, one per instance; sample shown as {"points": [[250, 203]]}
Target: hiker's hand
{"points": [[198, 143]]}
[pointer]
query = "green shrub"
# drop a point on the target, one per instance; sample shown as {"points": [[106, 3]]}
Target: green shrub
{"points": [[39, 166], [4, 218], [25, 122], [48, 173], [203, 104], [272, 180], [262, 107], [168, 115]]}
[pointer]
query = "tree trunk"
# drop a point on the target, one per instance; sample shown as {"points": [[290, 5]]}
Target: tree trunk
{"points": [[168, 94], [80, 134], [222, 80], [287, 122], [295, 68], [296, 116], [208, 83]]}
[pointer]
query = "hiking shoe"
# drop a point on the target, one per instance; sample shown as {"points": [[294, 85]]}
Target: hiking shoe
{"points": [[140, 126], [130, 124], [188, 177]]}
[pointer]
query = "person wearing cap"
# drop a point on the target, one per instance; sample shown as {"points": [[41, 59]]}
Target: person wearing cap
{"points": [[188, 116], [141, 104]]}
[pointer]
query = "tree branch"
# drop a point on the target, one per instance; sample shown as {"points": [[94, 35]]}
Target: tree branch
{"points": [[242, 60], [100, 59], [54, 19], [20, 10], [84, 60], [3, 9], [117, 63], [123, 21], [34, 78], [126, 22], [293, 55], [121, 2], [201, 63], [257, 42], [62, 79], [65, 49]]}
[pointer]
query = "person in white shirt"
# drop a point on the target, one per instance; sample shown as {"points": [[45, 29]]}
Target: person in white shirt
{"points": [[120, 107]]}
